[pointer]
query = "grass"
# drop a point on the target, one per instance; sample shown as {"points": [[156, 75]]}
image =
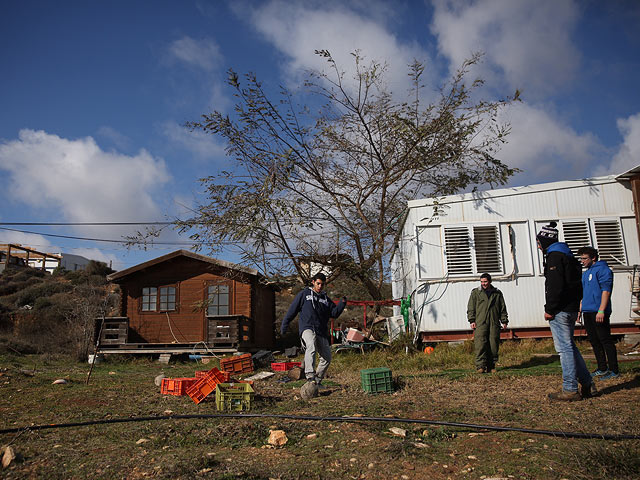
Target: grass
{"points": [[441, 386]]}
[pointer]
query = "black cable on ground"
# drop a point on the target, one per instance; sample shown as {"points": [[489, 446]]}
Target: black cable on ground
{"points": [[553, 433]]}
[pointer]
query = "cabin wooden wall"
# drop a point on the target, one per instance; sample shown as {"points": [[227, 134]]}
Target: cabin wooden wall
{"points": [[191, 277]]}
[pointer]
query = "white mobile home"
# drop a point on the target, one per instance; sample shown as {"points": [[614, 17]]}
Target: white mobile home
{"points": [[447, 244]]}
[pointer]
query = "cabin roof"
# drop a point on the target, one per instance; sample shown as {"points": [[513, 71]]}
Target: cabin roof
{"points": [[180, 253]]}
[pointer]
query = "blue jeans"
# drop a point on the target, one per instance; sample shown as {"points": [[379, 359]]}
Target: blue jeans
{"points": [[573, 367]]}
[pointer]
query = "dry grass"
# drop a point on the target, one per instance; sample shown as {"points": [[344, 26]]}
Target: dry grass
{"points": [[439, 387]]}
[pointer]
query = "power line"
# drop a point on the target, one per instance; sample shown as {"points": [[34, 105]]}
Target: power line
{"points": [[87, 224]]}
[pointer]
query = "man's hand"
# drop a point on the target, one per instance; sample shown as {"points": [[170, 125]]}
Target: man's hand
{"points": [[473, 325], [600, 317], [548, 316], [504, 326]]}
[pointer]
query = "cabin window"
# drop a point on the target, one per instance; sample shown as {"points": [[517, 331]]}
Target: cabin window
{"points": [[149, 299], [167, 298], [161, 299], [471, 250], [218, 300]]}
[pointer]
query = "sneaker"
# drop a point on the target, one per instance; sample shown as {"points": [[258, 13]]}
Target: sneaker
{"points": [[565, 396], [481, 370], [590, 391], [598, 373], [608, 376], [492, 370]]}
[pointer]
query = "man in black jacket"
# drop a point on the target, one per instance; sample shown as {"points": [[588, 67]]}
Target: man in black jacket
{"points": [[315, 309], [563, 292]]}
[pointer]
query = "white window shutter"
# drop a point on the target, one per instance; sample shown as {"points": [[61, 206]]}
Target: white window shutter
{"points": [[609, 242], [457, 246]]}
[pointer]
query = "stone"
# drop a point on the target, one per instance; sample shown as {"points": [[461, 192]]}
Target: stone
{"points": [[398, 432], [296, 373], [158, 379], [8, 457], [60, 381], [309, 390], [277, 438]]}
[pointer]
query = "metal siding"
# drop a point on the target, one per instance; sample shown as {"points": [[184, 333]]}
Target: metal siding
{"points": [[618, 199], [445, 309]]}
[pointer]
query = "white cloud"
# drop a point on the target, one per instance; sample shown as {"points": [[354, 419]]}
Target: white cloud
{"points": [[203, 54], [527, 43], [297, 30], [201, 144], [119, 140], [75, 180], [628, 155], [37, 242], [544, 147]]}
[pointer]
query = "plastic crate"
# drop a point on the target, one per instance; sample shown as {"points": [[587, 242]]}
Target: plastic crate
{"points": [[203, 386], [376, 380], [234, 396], [176, 386], [237, 364], [284, 366], [204, 373]]}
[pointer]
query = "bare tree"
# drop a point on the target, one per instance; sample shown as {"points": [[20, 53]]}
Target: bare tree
{"points": [[328, 181]]}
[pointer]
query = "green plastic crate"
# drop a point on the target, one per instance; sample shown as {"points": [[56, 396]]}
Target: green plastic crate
{"points": [[377, 380], [234, 396]]}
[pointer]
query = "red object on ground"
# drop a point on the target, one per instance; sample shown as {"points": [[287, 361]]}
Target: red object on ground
{"points": [[203, 386], [284, 366], [237, 364], [176, 386]]}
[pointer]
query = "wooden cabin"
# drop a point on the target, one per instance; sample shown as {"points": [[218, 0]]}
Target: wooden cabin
{"points": [[186, 302]]}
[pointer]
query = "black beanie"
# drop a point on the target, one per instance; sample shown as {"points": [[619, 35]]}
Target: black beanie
{"points": [[548, 235]]}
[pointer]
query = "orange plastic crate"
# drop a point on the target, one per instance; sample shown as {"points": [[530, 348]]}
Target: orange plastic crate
{"points": [[203, 386], [176, 386], [237, 364], [284, 366], [204, 373]]}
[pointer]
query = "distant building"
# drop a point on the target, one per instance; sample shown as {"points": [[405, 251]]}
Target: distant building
{"points": [[20, 256]]}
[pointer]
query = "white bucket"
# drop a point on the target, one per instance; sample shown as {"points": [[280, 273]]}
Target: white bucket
{"points": [[95, 359]]}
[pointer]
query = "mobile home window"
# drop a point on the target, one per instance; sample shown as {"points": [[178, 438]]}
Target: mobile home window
{"points": [[609, 242], [472, 250], [149, 299], [218, 300]]}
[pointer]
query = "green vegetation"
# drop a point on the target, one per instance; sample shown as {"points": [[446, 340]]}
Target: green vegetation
{"points": [[42, 313]]}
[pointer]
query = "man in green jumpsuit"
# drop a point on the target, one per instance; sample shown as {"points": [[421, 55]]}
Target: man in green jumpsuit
{"points": [[486, 310]]}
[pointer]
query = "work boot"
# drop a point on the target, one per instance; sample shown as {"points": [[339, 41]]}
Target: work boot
{"points": [[564, 396], [492, 370], [481, 370]]}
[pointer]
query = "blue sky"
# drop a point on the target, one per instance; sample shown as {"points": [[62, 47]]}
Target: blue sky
{"points": [[93, 95]]}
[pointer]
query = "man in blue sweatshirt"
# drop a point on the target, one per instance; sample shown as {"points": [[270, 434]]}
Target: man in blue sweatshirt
{"points": [[563, 291], [597, 285], [315, 309]]}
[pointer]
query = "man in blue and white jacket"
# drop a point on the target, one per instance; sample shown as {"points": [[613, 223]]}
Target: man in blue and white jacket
{"points": [[315, 309], [597, 285]]}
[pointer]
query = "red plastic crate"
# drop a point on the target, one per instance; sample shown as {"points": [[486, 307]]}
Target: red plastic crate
{"points": [[237, 364], [284, 366], [203, 386], [176, 386]]}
